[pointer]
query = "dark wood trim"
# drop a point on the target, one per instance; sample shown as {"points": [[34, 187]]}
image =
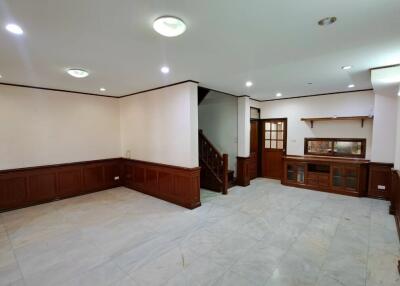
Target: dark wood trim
{"points": [[174, 184], [243, 173], [312, 95], [380, 175], [95, 94], [328, 174], [25, 187], [385, 67], [160, 87], [363, 142], [55, 89], [30, 186], [395, 202]]}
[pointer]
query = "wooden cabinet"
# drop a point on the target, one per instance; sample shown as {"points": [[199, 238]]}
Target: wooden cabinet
{"points": [[335, 175]]}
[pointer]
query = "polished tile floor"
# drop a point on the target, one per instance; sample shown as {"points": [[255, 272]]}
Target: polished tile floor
{"points": [[265, 234]]}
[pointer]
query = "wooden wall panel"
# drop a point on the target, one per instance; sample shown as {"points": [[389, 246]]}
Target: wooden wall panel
{"points": [[395, 201], [243, 171], [380, 176], [41, 187], [69, 182], [30, 186], [13, 192], [177, 185], [93, 177]]}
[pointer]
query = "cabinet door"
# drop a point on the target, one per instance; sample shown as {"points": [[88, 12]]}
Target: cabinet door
{"points": [[337, 177], [351, 178], [295, 173]]}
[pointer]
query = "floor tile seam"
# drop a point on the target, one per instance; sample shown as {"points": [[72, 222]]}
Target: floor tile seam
{"points": [[15, 256]]}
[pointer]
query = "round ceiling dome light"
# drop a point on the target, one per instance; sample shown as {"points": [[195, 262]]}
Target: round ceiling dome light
{"points": [[278, 94], [78, 73], [346, 67], [327, 21], [169, 26], [15, 29]]}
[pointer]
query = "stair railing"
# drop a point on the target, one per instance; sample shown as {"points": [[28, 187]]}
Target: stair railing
{"points": [[215, 161]]}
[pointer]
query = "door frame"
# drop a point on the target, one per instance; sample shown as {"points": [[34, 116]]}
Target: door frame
{"points": [[262, 145], [259, 139]]}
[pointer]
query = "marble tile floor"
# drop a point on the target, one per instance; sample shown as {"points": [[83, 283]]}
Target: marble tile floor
{"points": [[264, 234]]}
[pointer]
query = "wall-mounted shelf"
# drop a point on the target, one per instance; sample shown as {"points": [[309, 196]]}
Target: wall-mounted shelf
{"points": [[361, 118]]}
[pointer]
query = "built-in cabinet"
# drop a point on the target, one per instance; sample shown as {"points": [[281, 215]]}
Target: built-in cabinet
{"points": [[342, 176]]}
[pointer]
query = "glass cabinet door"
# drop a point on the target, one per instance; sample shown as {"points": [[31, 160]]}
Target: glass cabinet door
{"points": [[351, 178], [295, 173], [337, 176]]}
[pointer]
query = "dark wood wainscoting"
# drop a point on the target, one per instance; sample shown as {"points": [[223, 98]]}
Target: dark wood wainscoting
{"points": [[177, 185], [380, 177], [243, 171], [395, 200], [29, 186]]}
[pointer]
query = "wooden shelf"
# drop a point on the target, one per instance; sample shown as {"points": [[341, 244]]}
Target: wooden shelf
{"points": [[361, 118]]}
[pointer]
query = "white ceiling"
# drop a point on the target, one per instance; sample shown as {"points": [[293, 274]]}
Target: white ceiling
{"points": [[277, 44]]}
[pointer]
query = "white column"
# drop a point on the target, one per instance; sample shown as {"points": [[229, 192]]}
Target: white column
{"points": [[244, 126]]}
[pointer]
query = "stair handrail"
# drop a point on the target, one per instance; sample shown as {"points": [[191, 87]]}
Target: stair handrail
{"points": [[215, 161]]}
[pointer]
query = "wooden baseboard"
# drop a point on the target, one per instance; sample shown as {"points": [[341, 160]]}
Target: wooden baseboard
{"points": [[25, 187]]}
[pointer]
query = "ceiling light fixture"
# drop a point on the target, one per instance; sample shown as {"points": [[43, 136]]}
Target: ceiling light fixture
{"points": [[15, 29], [346, 67], [169, 26], [1, 76], [78, 73], [102, 89], [249, 83], [351, 86], [165, 70], [398, 94], [278, 94], [327, 21]]}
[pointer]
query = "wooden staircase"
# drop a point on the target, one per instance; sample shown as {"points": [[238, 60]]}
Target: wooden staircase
{"points": [[214, 174]]}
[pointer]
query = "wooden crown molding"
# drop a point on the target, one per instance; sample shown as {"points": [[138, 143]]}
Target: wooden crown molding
{"points": [[93, 94]]}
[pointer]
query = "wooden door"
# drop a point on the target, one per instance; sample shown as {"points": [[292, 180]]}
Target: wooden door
{"points": [[253, 166], [274, 147]]}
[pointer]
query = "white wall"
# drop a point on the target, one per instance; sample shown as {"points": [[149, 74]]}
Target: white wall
{"points": [[384, 139], [397, 156], [218, 115], [347, 104], [161, 126], [40, 127]]}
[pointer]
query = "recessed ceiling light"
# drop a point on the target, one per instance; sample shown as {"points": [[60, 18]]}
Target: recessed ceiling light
{"points": [[78, 73], [1, 76], [15, 29], [278, 94], [346, 67], [398, 94], [169, 26], [165, 70], [309, 83], [327, 21], [102, 89], [351, 86], [249, 83]]}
